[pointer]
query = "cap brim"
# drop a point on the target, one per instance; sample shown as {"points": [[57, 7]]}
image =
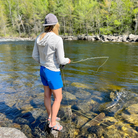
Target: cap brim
{"points": [[49, 24]]}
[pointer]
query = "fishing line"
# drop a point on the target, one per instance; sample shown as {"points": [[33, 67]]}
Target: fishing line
{"points": [[106, 57]]}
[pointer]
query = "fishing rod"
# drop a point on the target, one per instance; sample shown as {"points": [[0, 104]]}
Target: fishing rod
{"points": [[74, 62]]}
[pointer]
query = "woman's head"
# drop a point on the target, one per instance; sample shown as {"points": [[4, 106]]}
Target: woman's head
{"points": [[51, 23], [54, 28]]}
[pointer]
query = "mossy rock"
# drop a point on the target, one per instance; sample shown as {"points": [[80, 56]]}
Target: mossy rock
{"points": [[83, 86], [133, 109], [132, 119]]}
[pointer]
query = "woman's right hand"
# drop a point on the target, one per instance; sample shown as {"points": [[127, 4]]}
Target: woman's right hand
{"points": [[69, 61]]}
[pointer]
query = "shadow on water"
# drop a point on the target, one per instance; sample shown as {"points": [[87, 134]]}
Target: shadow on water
{"points": [[16, 115]]}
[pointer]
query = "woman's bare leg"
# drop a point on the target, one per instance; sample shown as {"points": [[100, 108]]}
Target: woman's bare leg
{"points": [[56, 105], [47, 99]]}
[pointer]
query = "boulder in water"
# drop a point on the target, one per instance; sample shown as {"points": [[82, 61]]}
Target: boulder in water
{"points": [[6, 132]]}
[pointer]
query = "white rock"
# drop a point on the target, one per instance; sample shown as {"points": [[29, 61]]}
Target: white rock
{"points": [[6, 132]]}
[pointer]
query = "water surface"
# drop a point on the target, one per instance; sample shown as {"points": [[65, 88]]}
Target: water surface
{"points": [[21, 89]]}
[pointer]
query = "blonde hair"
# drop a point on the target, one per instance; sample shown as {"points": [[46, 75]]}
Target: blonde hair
{"points": [[54, 28]]}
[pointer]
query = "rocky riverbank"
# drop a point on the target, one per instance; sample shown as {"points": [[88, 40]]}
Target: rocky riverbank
{"points": [[104, 38]]}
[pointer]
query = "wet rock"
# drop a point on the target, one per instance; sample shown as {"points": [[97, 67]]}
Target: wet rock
{"points": [[133, 109], [37, 102], [95, 121], [20, 120], [83, 86], [11, 133], [84, 107], [27, 131], [76, 132], [26, 108], [82, 94], [98, 130], [37, 112], [107, 121], [133, 118], [112, 95], [120, 129], [92, 136], [65, 111], [80, 121], [68, 96]]}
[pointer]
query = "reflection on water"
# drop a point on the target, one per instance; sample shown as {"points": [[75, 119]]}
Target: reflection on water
{"points": [[85, 93]]}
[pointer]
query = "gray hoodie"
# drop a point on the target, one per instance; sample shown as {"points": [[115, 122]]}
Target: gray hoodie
{"points": [[49, 51]]}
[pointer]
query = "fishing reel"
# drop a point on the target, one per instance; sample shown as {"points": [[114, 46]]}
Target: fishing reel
{"points": [[62, 66]]}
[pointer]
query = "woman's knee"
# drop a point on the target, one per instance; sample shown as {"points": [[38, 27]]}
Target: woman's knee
{"points": [[47, 96], [58, 98]]}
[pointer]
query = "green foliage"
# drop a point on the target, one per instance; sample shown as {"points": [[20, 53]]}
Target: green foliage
{"points": [[24, 18]]}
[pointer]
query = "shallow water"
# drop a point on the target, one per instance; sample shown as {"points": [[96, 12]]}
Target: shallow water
{"points": [[21, 91]]}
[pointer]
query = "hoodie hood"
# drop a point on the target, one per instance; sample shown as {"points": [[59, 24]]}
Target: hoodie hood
{"points": [[44, 40]]}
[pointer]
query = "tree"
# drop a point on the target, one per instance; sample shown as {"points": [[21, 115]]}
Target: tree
{"points": [[3, 19]]}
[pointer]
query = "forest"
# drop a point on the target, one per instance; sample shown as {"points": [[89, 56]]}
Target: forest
{"points": [[24, 18]]}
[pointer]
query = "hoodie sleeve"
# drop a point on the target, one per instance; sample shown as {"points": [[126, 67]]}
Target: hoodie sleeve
{"points": [[35, 53], [60, 53]]}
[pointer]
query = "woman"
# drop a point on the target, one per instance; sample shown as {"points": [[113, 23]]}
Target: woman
{"points": [[49, 53]]}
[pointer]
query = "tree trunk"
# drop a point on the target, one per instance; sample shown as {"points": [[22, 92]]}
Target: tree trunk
{"points": [[64, 25], [136, 25], [10, 13]]}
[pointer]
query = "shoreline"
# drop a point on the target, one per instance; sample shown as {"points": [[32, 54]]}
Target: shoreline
{"points": [[102, 38]]}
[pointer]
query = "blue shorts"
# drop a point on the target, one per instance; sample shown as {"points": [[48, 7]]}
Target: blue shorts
{"points": [[51, 78]]}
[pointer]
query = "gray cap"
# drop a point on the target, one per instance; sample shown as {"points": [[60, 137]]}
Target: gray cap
{"points": [[50, 19]]}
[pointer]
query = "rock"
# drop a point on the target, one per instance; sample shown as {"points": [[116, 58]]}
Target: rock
{"points": [[119, 39], [68, 96], [82, 94], [76, 132], [90, 38], [133, 109], [112, 95], [26, 108], [98, 130], [133, 118], [11, 133], [131, 36], [84, 107], [83, 86], [65, 111], [81, 120], [75, 38], [120, 129], [27, 131], [109, 120], [95, 121], [124, 38], [37, 112], [81, 37], [104, 38]]}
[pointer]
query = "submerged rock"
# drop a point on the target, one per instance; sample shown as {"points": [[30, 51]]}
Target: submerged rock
{"points": [[68, 96], [133, 109], [11, 133], [82, 94], [83, 86]]}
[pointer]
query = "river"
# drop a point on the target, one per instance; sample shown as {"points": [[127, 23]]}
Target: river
{"points": [[21, 91]]}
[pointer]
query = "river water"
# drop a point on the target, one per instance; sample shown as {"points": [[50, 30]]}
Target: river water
{"points": [[21, 91]]}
